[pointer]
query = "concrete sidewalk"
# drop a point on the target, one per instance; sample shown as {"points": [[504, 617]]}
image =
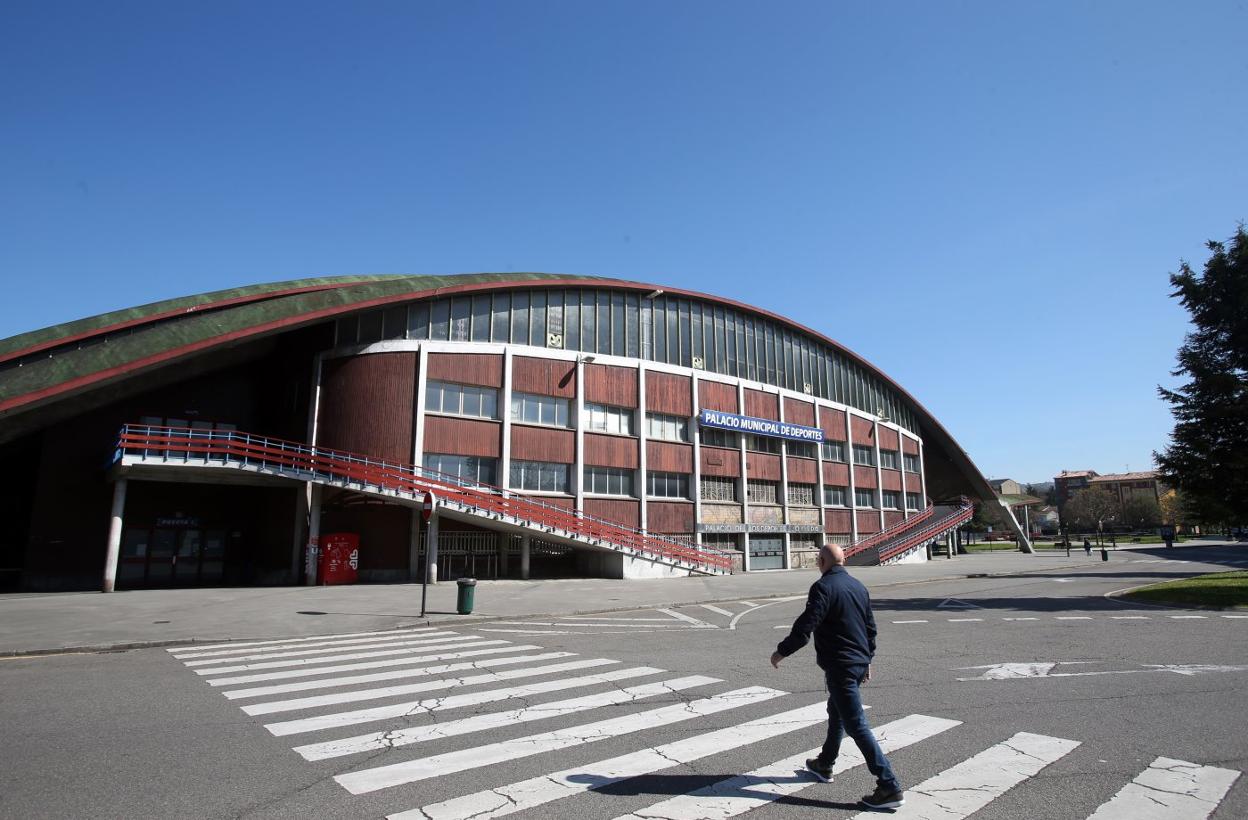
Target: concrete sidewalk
{"points": [[34, 623]]}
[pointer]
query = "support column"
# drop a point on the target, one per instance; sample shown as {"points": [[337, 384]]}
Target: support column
{"points": [[578, 424], [312, 551], [504, 541], [745, 483], [115, 523], [413, 547], [784, 484], [639, 485], [852, 501], [524, 557], [301, 524], [879, 474]]}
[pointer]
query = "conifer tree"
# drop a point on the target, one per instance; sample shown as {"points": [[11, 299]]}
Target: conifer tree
{"points": [[1207, 459]]}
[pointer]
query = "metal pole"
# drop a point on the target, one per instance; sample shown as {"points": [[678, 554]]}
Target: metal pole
{"points": [[424, 581]]}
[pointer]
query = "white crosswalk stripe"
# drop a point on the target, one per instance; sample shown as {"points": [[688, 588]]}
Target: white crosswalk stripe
{"points": [[737, 795], [357, 695], [449, 672], [1169, 790], [409, 656], [282, 641], [974, 783], [411, 771], [394, 674], [392, 738]]}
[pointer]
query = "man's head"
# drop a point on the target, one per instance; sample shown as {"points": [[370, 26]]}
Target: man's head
{"points": [[830, 555]]}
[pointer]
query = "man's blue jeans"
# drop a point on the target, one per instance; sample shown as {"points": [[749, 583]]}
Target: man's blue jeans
{"points": [[845, 717]]}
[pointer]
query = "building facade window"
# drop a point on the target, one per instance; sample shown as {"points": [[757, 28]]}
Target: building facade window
{"points": [[539, 476], [469, 468], [913, 502], [888, 458], [717, 488], [801, 449], [802, 495], [763, 444], [603, 418], [834, 496], [834, 451], [864, 498], [461, 399], [530, 408], [762, 492], [711, 437], [608, 480], [721, 541], [911, 463], [667, 485], [891, 499], [667, 427], [864, 455]]}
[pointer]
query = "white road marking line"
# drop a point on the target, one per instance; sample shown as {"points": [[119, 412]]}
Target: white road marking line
{"points": [[421, 646], [1169, 790], [1020, 619], [562, 631], [411, 656], [666, 622], [689, 619], [394, 674], [1235, 616], [369, 780], [972, 784], [737, 795], [247, 644], [398, 634], [1187, 617], [717, 610], [611, 619], [357, 695], [962, 620], [477, 723], [538, 791], [910, 622], [1130, 618], [432, 637], [1074, 617], [747, 603]]}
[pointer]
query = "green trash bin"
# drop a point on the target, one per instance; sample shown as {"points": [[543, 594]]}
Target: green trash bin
{"points": [[467, 590]]}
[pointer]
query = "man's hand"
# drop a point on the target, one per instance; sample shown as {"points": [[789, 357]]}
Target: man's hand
{"points": [[776, 657], [867, 676]]}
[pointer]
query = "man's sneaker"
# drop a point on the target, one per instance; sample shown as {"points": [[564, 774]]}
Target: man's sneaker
{"points": [[820, 769], [883, 798]]}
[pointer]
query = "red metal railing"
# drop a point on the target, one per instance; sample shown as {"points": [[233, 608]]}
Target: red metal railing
{"points": [[890, 532], [964, 513], [318, 463]]}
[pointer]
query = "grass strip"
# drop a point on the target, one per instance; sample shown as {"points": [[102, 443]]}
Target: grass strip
{"points": [[1220, 589]]}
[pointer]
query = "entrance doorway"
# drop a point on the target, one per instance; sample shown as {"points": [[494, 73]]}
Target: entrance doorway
{"points": [[766, 552], [178, 554]]}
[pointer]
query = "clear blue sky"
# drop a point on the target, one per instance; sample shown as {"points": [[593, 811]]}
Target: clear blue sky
{"points": [[983, 200]]}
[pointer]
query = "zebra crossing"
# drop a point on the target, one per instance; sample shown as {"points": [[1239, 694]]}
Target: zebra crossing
{"points": [[399, 700]]}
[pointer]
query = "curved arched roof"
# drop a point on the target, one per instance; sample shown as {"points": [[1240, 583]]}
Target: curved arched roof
{"points": [[57, 363]]}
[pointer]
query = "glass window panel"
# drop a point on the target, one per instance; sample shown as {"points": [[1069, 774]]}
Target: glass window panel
{"points": [[554, 315], [604, 322], [461, 307], [647, 328], [481, 317], [440, 322], [731, 331], [433, 396], [537, 323], [632, 326], [572, 320], [520, 318], [370, 327], [659, 310], [834, 496], [696, 339], [548, 413], [685, 333], [500, 319], [617, 324], [589, 323], [394, 325], [472, 402], [673, 333], [418, 321]]}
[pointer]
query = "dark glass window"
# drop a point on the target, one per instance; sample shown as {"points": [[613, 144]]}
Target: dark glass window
{"points": [[418, 321], [572, 320], [659, 310], [673, 333], [440, 324], [460, 310], [347, 330], [686, 335], [394, 324], [500, 330], [481, 317], [617, 324], [632, 325], [537, 324], [604, 322], [370, 327], [589, 322], [520, 318]]}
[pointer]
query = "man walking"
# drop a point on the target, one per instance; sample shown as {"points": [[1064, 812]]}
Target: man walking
{"points": [[838, 611]]}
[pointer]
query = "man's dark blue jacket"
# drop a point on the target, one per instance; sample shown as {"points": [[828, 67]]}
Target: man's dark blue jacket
{"points": [[838, 611]]}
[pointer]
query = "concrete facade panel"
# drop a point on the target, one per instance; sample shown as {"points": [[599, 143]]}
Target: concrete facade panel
{"points": [[803, 515], [721, 513], [766, 514]]}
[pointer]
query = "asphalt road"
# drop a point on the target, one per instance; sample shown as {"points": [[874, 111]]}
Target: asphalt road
{"points": [[1029, 696]]}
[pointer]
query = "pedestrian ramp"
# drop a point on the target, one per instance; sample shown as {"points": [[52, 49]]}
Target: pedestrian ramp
{"points": [[447, 725]]}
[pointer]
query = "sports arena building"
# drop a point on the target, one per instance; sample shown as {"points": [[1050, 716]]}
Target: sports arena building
{"points": [[521, 424]]}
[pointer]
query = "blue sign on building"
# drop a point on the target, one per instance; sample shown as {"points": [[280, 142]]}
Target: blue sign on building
{"points": [[760, 427]]}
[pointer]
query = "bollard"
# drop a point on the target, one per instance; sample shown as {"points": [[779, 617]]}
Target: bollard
{"points": [[464, 598], [1104, 554]]}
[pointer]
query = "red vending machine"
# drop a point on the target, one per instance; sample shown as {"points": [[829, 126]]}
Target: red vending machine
{"points": [[340, 558]]}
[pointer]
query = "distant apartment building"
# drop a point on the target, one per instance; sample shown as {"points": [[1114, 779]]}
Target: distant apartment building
{"points": [[1122, 486]]}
